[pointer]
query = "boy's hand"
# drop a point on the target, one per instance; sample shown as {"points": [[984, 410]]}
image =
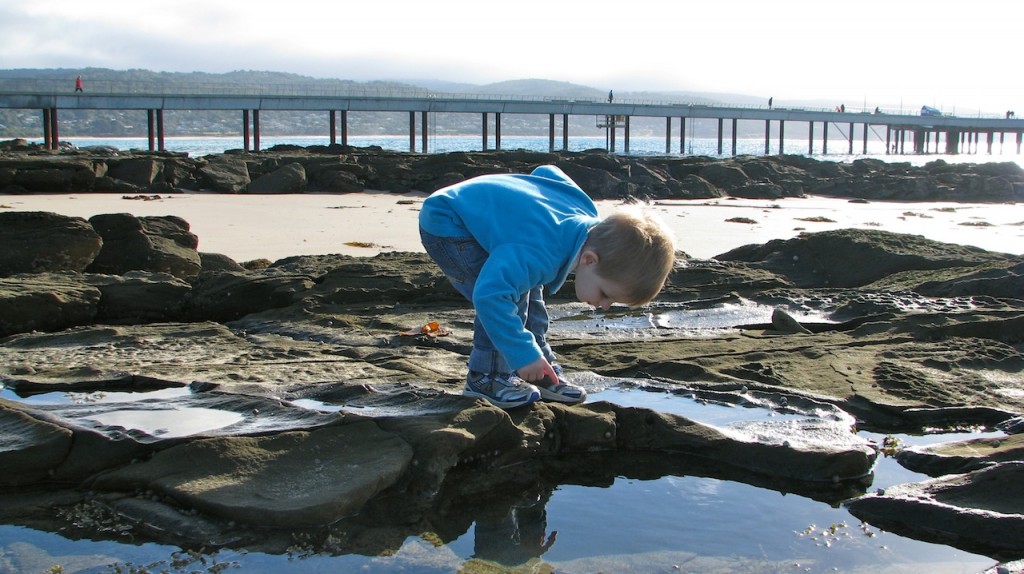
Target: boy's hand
{"points": [[537, 371]]}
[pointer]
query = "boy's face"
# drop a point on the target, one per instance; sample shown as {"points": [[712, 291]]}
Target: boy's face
{"points": [[593, 289]]}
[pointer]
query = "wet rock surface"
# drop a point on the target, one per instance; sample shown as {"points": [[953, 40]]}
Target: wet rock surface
{"points": [[230, 406], [988, 503]]}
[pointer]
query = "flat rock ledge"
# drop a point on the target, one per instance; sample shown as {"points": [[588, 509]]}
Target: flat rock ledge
{"points": [[985, 507], [231, 406]]}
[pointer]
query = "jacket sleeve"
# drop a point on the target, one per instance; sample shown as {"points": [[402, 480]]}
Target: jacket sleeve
{"points": [[507, 276]]}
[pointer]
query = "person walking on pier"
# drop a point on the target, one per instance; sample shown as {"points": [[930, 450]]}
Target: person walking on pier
{"points": [[611, 96], [78, 84]]}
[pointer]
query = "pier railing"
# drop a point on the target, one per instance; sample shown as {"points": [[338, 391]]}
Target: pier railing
{"points": [[383, 90], [49, 96]]}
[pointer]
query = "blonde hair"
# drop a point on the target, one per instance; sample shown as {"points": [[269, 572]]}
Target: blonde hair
{"points": [[635, 250]]}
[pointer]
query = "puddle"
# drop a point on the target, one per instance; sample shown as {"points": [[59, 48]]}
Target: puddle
{"points": [[779, 421], [168, 423], [622, 321], [707, 523], [151, 418], [710, 411], [93, 397], [316, 405]]}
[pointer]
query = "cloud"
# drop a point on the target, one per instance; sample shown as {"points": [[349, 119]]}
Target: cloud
{"points": [[877, 51]]}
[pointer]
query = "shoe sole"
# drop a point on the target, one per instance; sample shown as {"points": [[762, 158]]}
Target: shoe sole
{"points": [[546, 395], [534, 397]]}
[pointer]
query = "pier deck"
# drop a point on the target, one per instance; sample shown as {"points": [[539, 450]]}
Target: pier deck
{"points": [[956, 132]]}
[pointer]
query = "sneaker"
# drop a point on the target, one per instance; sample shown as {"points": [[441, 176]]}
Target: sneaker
{"points": [[502, 390], [562, 391]]}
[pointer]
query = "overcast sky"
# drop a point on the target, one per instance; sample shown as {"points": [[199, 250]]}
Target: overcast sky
{"points": [[962, 56]]}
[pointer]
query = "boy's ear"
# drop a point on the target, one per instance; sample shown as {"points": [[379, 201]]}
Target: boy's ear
{"points": [[589, 257]]}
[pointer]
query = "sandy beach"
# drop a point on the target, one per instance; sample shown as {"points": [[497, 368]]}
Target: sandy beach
{"points": [[247, 227]]}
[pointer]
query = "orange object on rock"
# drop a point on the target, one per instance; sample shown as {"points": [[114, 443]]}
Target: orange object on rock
{"points": [[431, 329]]}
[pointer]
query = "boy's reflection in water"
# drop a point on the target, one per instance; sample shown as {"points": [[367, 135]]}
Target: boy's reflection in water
{"points": [[518, 536]]}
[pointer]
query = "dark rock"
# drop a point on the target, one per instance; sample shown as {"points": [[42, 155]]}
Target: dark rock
{"points": [[758, 191], [167, 522], [111, 185], [284, 148], [394, 277], [141, 172], [697, 187], [39, 242], [982, 511], [218, 262], [229, 295], [100, 150], [158, 244], [288, 480], [598, 183], [1000, 169], [179, 173], [55, 174], [30, 449], [224, 174], [828, 170], [854, 257], [336, 180], [345, 169], [46, 302], [442, 181], [1012, 426], [700, 279], [17, 144], [140, 297], [726, 176], [997, 279], [290, 178], [962, 456]]}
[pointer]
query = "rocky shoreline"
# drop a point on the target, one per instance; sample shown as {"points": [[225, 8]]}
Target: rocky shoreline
{"points": [[27, 168], [913, 335]]}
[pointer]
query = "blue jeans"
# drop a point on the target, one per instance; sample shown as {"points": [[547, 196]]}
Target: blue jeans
{"points": [[460, 259]]}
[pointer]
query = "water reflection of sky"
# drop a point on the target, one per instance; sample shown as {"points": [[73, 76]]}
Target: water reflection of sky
{"points": [[670, 518], [673, 523], [92, 397], [170, 422], [580, 320]]}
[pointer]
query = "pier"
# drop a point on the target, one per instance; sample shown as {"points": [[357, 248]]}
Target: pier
{"points": [[903, 132]]}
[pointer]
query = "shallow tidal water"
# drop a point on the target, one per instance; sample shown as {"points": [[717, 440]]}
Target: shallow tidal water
{"points": [[667, 524]]}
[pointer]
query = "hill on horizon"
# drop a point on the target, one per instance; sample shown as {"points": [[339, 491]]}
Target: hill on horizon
{"points": [[538, 87], [114, 123]]}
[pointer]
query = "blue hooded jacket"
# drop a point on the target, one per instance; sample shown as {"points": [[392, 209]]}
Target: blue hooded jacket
{"points": [[532, 226]]}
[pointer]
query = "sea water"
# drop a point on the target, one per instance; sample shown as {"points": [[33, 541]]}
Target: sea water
{"points": [[638, 146]]}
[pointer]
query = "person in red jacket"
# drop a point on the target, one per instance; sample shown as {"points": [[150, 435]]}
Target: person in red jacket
{"points": [[78, 84]]}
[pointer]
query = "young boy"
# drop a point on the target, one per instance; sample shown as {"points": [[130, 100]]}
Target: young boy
{"points": [[503, 239]]}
